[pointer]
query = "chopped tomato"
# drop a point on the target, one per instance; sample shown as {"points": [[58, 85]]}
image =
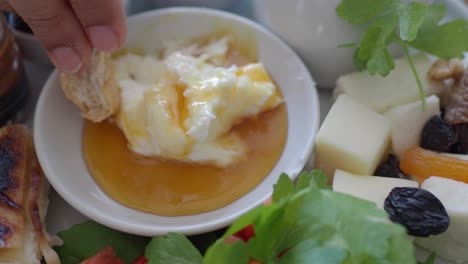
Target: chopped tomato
{"points": [[105, 256], [246, 233], [140, 260]]}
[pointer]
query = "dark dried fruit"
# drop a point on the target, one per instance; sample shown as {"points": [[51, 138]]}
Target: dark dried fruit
{"points": [[418, 210], [438, 135], [390, 168], [461, 147]]}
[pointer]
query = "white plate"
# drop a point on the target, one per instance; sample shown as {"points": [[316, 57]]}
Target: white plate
{"points": [[61, 215]]}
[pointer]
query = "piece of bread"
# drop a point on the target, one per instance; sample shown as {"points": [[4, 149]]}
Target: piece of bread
{"points": [[94, 90], [23, 192]]}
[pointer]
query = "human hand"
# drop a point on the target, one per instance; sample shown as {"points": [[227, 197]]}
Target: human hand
{"points": [[70, 29]]}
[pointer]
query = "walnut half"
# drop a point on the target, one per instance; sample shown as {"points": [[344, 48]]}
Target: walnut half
{"points": [[443, 69]]}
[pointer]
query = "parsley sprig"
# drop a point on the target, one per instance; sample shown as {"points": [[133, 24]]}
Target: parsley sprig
{"points": [[416, 25]]}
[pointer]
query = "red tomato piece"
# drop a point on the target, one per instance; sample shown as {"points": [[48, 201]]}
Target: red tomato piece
{"points": [[105, 256], [140, 260], [246, 233]]}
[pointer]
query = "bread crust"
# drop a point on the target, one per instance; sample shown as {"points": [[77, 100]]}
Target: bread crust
{"points": [[94, 90]]}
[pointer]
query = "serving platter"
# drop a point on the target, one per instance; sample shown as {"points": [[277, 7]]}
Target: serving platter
{"points": [[62, 216]]}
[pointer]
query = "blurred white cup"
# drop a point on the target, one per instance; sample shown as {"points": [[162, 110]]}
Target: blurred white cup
{"points": [[314, 30]]}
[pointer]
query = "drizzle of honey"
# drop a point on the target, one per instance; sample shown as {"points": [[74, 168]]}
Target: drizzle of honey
{"points": [[174, 189]]}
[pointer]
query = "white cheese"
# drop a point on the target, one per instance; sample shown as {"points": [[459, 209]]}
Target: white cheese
{"points": [[352, 138], [453, 243], [371, 188], [398, 88], [408, 122], [182, 107]]}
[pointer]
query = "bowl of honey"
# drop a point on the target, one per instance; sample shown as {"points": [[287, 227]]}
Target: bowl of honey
{"points": [[107, 170]]}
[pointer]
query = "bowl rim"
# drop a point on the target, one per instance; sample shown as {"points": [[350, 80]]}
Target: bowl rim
{"points": [[212, 224]]}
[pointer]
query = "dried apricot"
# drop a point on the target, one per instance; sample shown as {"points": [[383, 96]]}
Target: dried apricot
{"points": [[423, 164]]}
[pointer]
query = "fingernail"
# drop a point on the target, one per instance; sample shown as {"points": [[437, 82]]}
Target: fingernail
{"points": [[66, 59], [102, 38]]}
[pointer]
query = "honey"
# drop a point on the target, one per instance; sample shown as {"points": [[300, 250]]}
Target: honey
{"points": [[173, 189]]}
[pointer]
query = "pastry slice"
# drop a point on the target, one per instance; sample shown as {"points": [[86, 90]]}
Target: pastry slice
{"points": [[14, 158], [94, 89], [23, 202]]}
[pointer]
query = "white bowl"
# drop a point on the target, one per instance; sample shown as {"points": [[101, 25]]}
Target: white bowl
{"points": [[58, 125]]}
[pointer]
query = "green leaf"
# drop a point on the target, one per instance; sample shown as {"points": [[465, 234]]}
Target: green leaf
{"points": [[377, 35], [359, 64], [430, 259], [318, 179], [69, 259], [444, 41], [309, 251], [411, 19], [434, 15], [87, 239], [269, 222], [361, 11], [172, 249], [283, 188], [381, 62], [304, 180], [233, 254]]}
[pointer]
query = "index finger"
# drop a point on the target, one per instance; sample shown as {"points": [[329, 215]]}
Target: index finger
{"points": [[103, 21], [5, 6]]}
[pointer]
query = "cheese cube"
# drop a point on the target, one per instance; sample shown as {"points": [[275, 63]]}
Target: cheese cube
{"points": [[453, 243], [352, 138], [408, 122], [371, 188], [398, 88]]}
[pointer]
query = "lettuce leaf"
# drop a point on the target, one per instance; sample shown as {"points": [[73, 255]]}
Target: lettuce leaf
{"points": [[85, 240], [172, 249]]}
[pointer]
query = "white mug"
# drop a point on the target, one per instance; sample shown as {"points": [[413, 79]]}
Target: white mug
{"points": [[315, 31]]}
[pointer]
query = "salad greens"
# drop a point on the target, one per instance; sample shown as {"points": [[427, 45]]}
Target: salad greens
{"points": [[285, 187], [87, 239], [174, 248], [306, 223], [416, 25]]}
